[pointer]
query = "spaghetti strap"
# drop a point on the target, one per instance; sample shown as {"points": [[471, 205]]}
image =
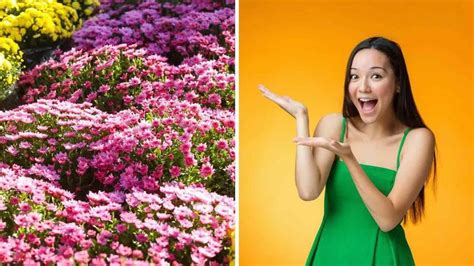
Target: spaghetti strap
{"points": [[341, 139], [401, 145]]}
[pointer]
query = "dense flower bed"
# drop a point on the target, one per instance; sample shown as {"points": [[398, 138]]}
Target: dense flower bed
{"points": [[10, 65], [93, 150], [174, 31], [40, 222], [123, 149], [84, 8], [38, 23], [119, 77]]}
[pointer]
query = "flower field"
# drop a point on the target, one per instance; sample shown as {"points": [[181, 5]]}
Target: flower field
{"points": [[121, 150]]}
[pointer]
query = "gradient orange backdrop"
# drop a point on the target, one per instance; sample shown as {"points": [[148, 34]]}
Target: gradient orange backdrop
{"points": [[300, 49]]}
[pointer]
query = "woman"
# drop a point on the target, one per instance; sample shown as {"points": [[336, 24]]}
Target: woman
{"points": [[374, 161]]}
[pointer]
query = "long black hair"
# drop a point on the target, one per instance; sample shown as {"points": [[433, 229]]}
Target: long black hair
{"points": [[403, 104]]}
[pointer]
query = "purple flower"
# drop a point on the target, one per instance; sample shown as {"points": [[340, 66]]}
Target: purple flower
{"points": [[61, 158]]}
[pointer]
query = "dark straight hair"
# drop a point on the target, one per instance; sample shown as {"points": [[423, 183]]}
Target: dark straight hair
{"points": [[403, 104]]}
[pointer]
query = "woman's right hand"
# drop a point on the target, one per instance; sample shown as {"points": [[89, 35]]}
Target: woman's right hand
{"points": [[292, 107]]}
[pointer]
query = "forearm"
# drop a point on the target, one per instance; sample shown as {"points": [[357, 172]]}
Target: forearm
{"points": [[307, 177], [380, 207]]}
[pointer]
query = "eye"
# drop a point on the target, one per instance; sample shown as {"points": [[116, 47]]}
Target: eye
{"points": [[377, 76], [353, 76]]}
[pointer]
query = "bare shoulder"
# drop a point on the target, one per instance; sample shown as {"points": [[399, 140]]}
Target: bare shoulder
{"points": [[420, 139], [421, 135], [329, 125]]}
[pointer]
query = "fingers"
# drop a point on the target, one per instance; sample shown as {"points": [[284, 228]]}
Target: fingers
{"points": [[267, 93], [275, 97], [321, 142], [264, 90], [317, 141]]}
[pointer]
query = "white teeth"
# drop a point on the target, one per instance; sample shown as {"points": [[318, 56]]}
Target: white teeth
{"points": [[365, 99]]}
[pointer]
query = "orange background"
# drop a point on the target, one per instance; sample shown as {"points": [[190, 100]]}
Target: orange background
{"points": [[300, 49]]}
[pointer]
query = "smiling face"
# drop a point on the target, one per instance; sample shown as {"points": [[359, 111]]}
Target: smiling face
{"points": [[372, 84]]}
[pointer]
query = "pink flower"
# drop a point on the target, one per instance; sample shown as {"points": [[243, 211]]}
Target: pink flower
{"points": [[206, 170], [222, 144], [229, 123], [201, 147], [82, 166], [87, 84], [175, 171], [198, 258], [61, 158], [103, 237], [135, 81], [137, 254], [82, 256], [142, 238], [91, 97], [124, 251], [25, 145], [104, 88], [14, 200], [185, 223], [128, 217], [25, 207], [201, 235], [121, 228], [12, 150], [3, 225], [206, 251], [214, 99], [224, 210], [127, 99], [185, 147], [189, 160], [85, 244], [50, 240]]}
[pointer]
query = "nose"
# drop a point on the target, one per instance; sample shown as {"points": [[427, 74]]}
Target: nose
{"points": [[364, 86]]}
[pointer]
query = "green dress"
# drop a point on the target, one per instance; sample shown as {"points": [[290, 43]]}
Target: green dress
{"points": [[348, 234]]}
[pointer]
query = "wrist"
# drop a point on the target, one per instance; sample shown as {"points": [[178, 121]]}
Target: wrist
{"points": [[302, 114], [349, 158]]}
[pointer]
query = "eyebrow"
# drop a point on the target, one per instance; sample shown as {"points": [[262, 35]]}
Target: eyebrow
{"points": [[372, 68]]}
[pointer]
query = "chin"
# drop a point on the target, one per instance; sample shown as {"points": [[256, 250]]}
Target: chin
{"points": [[369, 118]]}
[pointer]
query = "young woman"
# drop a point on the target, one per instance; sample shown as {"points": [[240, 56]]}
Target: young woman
{"points": [[374, 160]]}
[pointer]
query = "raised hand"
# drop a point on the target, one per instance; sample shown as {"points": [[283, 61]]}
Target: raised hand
{"points": [[343, 150], [292, 107]]}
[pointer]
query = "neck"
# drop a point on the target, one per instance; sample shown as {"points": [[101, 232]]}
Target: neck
{"points": [[387, 125]]}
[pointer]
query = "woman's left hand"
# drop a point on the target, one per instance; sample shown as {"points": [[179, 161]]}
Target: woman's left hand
{"points": [[343, 150]]}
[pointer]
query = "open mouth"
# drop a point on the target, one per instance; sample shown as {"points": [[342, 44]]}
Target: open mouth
{"points": [[367, 105]]}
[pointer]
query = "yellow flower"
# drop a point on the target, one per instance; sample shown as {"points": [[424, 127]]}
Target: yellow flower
{"points": [[49, 18], [7, 4], [10, 79], [10, 64], [76, 5], [232, 249], [2, 59]]}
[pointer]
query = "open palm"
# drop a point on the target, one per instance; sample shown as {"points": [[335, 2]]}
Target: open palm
{"points": [[292, 107], [343, 150]]}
